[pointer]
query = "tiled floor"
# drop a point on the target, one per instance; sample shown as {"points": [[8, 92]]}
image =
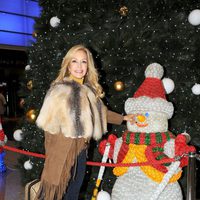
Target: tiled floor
{"points": [[10, 186]]}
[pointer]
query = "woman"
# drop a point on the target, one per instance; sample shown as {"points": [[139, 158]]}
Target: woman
{"points": [[72, 114]]}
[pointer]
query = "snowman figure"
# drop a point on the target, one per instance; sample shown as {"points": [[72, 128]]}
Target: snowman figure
{"points": [[148, 140]]}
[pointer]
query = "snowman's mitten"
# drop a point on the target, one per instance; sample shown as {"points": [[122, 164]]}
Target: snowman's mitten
{"points": [[111, 140], [182, 148], [188, 138]]}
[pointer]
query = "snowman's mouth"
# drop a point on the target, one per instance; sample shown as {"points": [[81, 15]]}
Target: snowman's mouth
{"points": [[141, 125]]}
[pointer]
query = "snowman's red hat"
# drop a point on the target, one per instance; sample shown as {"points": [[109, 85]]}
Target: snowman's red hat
{"points": [[150, 96]]}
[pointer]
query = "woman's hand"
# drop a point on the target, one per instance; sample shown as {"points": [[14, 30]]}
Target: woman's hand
{"points": [[130, 118]]}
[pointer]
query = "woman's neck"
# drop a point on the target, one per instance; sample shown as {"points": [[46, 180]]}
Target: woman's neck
{"points": [[78, 80]]}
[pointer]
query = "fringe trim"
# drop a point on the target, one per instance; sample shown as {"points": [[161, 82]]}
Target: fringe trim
{"points": [[49, 191]]}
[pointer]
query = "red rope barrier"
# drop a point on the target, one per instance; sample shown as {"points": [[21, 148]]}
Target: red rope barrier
{"points": [[24, 152], [168, 160]]}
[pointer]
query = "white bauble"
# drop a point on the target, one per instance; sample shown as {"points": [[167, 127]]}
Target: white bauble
{"points": [[194, 17], [5, 139], [103, 195], [28, 165], [196, 89], [168, 85], [28, 67], [18, 135], [54, 21]]}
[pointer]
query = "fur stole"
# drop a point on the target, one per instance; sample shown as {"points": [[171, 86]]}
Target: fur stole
{"points": [[73, 110]]}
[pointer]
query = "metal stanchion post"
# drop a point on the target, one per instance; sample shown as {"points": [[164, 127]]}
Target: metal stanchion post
{"points": [[191, 177]]}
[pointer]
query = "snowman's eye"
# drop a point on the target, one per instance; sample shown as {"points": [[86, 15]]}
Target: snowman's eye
{"points": [[146, 114]]}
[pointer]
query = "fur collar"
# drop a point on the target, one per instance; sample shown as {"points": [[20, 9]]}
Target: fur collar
{"points": [[73, 110]]}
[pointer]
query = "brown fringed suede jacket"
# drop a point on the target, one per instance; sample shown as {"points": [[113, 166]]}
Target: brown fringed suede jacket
{"points": [[71, 115]]}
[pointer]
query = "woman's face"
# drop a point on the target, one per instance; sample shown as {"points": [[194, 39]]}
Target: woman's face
{"points": [[79, 64]]}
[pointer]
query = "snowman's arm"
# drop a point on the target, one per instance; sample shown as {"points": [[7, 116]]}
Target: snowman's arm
{"points": [[169, 148], [117, 147]]}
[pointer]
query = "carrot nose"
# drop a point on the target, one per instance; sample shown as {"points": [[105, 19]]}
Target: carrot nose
{"points": [[141, 118]]}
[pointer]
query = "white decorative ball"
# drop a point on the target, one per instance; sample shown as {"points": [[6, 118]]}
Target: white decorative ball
{"points": [[194, 17], [18, 135], [168, 85], [154, 70], [103, 195], [28, 165], [5, 139], [196, 89], [28, 67], [54, 21]]}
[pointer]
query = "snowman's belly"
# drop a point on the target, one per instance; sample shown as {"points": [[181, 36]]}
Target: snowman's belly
{"points": [[135, 185]]}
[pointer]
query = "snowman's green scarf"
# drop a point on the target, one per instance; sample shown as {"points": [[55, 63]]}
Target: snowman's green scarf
{"points": [[146, 138]]}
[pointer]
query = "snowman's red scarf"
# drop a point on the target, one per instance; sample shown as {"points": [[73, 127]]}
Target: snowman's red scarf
{"points": [[155, 145]]}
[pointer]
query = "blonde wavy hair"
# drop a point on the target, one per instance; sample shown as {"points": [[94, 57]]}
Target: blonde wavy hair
{"points": [[92, 75]]}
